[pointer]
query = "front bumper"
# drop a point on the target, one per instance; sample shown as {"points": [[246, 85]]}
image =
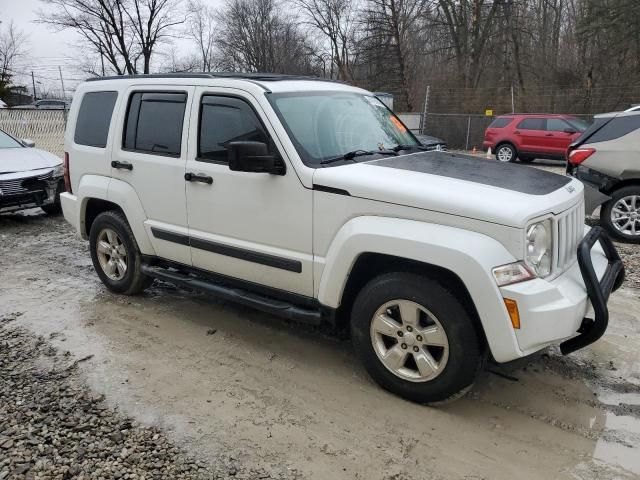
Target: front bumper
{"points": [[42, 193], [554, 311]]}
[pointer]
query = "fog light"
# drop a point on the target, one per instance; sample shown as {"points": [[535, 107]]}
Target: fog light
{"points": [[512, 308]]}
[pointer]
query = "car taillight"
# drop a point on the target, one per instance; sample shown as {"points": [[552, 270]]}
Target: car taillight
{"points": [[579, 155], [67, 177]]}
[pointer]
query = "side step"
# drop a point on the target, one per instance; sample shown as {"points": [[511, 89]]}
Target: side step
{"points": [[237, 295]]}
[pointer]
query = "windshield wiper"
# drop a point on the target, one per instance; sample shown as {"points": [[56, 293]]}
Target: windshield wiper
{"points": [[408, 147], [357, 153]]}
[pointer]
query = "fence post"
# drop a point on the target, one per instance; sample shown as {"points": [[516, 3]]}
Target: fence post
{"points": [[423, 119], [513, 103], [468, 128]]}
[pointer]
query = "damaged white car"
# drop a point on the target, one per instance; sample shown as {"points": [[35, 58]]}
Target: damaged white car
{"points": [[29, 177]]}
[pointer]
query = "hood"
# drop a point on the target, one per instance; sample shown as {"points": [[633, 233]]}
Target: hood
{"points": [[488, 190], [25, 159]]}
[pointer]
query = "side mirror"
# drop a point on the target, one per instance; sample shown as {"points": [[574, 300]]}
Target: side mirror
{"points": [[254, 157], [570, 131], [28, 143]]}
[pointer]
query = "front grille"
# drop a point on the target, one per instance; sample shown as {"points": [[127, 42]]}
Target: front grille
{"points": [[570, 232], [17, 186]]}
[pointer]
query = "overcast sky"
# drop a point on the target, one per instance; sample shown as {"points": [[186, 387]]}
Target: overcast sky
{"points": [[49, 49]]}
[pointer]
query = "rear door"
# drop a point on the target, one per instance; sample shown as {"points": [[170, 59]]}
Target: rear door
{"points": [[559, 135], [531, 133], [150, 154]]}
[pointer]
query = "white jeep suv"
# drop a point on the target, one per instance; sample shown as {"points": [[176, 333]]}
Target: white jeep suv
{"points": [[311, 200]]}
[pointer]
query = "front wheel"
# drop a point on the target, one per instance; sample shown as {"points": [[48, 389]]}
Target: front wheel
{"points": [[115, 254], [506, 153], [415, 339], [621, 215]]}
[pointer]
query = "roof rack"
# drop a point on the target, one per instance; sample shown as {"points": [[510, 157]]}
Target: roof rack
{"points": [[255, 77]]}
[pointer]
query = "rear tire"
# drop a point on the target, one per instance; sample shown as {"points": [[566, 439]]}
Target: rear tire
{"points": [[620, 216], [430, 350], [506, 153], [115, 254]]}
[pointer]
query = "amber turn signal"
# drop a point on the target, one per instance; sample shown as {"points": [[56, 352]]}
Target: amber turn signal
{"points": [[512, 308]]}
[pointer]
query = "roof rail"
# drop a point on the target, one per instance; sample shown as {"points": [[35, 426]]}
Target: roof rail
{"points": [[256, 77]]}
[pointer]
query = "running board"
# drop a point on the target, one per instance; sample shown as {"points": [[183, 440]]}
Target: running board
{"points": [[244, 297]]}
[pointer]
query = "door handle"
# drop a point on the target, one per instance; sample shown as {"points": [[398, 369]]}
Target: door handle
{"points": [[121, 165], [194, 177], [517, 132], [549, 135]]}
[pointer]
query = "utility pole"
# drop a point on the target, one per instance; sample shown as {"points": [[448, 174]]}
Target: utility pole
{"points": [[513, 103], [101, 59], [64, 95], [33, 82]]}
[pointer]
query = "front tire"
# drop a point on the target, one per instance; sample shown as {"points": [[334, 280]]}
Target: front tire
{"points": [[506, 153], [621, 215], [115, 254], [415, 339]]}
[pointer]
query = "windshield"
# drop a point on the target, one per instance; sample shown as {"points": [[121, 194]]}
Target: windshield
{"points": [[6, 141], [578, 124], [325, 125]]}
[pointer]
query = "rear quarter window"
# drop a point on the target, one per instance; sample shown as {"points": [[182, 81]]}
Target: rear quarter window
{"points": [[616, 128], [500, 122], [94, 118]]}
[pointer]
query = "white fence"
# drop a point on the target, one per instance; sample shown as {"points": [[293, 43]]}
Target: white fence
{"points": [[44, 127]]}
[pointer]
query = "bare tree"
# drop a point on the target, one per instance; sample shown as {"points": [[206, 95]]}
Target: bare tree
{"points": [[12, 48], [253, 36], [119, 31], [201, 29], [335, 21]]}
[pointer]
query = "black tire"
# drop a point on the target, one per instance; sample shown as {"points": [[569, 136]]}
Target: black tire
{"points": [[466, 348], [133, 281], [507, 146], [607, 210]]}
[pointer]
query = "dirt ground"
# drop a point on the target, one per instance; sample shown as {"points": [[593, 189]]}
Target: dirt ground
{"points": [[226, 382]]}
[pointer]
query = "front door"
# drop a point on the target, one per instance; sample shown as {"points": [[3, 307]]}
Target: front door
{"points": [[151, 157], [254, 227], [531, 135], [558, 137]]}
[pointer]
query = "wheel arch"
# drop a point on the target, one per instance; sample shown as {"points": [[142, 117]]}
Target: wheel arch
{"points": [[369, 265], [453, 255]]}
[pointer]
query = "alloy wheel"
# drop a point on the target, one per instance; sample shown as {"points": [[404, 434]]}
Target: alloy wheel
{"points": [[625, 215], [505, 154], [409, 340], [112, 254]]}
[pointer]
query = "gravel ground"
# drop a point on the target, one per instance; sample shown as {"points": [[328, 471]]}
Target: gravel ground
{"points": [[53, 427]]}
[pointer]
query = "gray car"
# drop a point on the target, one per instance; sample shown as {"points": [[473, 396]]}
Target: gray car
{"points": [[29, 177], [606, 158]]}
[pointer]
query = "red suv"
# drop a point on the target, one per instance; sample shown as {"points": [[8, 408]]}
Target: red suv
{"points": [[530, 136]]}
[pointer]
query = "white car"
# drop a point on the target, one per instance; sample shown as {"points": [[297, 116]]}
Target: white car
{"points": [[311, 200], [29, 177], [3, 105]]}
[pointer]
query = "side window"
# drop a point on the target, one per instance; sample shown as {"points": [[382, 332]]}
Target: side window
{"points": [[500, 122], [94, 118], [556, 125], [224, 120], [532, 124], [154, 123]]}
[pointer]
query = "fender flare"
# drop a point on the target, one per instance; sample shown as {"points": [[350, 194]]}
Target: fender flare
{"points": [[120, 193], [469, 255]]}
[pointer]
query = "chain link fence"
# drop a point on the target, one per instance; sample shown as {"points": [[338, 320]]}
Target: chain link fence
{"points": [[459, 131], [44, 127]]}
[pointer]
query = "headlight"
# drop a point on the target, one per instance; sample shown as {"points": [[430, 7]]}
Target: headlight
{"points": [[58, 171], [539, 248]]}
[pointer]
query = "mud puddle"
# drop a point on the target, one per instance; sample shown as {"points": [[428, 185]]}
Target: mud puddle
{"points": [[227, 381]]}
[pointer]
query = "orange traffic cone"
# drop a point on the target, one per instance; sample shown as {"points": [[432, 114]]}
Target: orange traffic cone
{"points": [[475, 150], [489, 153]]}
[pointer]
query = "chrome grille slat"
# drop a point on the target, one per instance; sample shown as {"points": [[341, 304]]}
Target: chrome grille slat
{"points": [[14, 186]]}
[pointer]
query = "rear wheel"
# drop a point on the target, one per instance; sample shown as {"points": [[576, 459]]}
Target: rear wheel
{"points": [[621, 215], [415, 339], [506, 153], [115, 254]]}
